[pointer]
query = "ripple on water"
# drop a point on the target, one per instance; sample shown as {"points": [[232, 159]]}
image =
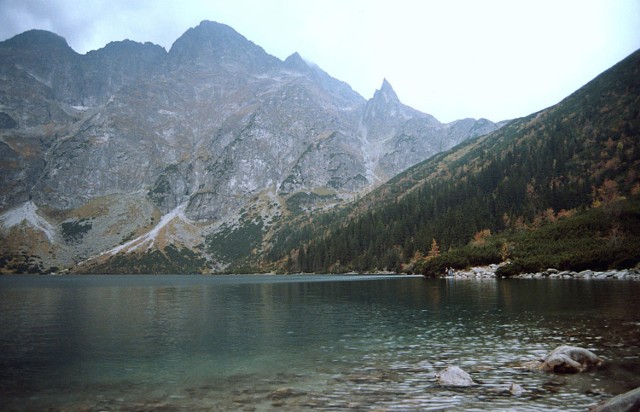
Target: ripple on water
{"points": [[300, 346]]}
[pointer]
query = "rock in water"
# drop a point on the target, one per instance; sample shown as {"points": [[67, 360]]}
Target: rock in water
{"points": [[567, 359], [454, 376], [626, 402], [515, 389]]}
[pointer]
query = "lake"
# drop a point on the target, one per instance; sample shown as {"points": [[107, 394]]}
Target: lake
{"points": [[263, 342]]}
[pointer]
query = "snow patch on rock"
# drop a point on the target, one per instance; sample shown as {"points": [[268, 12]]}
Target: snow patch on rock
{"points": [[149, 238], [28, 213]]}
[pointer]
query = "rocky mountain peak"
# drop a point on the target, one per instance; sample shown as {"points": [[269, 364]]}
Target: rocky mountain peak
{"points": [[386, 92], [384, 104], [39, 41], [296, 62], [212, 43], [41, 63]]}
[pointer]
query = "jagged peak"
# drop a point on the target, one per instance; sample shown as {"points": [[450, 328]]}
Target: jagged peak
{"points": [[129, 46], [386, 86], [386, 92], [386, 104]]}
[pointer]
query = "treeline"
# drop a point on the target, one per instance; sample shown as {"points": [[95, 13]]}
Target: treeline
{"points": [[581, 153]]}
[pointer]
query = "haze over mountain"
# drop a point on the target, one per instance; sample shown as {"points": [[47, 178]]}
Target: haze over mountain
{"points": [[137, 159]]}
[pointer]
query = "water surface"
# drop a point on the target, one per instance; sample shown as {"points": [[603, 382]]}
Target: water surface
{"points": [[307, 342]]}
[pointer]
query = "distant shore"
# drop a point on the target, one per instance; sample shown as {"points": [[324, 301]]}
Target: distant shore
{"points": [[489, 272]]}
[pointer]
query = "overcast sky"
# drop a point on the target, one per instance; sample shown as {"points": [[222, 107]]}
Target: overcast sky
{"points": [[497, 59]]}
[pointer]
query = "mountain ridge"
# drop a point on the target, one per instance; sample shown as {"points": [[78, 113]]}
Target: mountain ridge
{"points": [[142, 152]]}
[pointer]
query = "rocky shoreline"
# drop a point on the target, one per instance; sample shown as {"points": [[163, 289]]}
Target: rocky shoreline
{"points": [[489, 272], [562, 360]]}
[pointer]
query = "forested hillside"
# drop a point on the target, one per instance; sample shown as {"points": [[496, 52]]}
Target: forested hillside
{"points": [[553, 166]]}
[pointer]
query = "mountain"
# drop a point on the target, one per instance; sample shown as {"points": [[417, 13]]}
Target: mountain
{"points": [[131, 158], [560, 187]]}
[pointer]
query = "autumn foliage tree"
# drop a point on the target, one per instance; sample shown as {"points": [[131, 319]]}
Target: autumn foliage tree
{"points": [[434, 252]]}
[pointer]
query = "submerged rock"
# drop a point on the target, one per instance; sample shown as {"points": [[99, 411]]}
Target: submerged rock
{"points": [[515, 389], [566, 359], [512, 389], [283, 393], [626, 402], [454, 376]]}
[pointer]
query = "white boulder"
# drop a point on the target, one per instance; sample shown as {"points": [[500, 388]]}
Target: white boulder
{"points": [[454, 376]]}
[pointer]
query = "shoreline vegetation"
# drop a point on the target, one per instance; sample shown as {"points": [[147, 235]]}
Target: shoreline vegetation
{"points": [[599, 242], [602, 237], [596, 242]]}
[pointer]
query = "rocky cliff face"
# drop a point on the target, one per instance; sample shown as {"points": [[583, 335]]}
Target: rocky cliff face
{"points": [[131, 149]]}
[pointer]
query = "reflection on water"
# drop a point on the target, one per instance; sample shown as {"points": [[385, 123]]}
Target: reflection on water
{"points": [[302, 342]]}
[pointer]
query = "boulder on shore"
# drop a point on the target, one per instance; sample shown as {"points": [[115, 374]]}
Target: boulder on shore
{"points": [[566, 359], [454, 376], [626, 402]]}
